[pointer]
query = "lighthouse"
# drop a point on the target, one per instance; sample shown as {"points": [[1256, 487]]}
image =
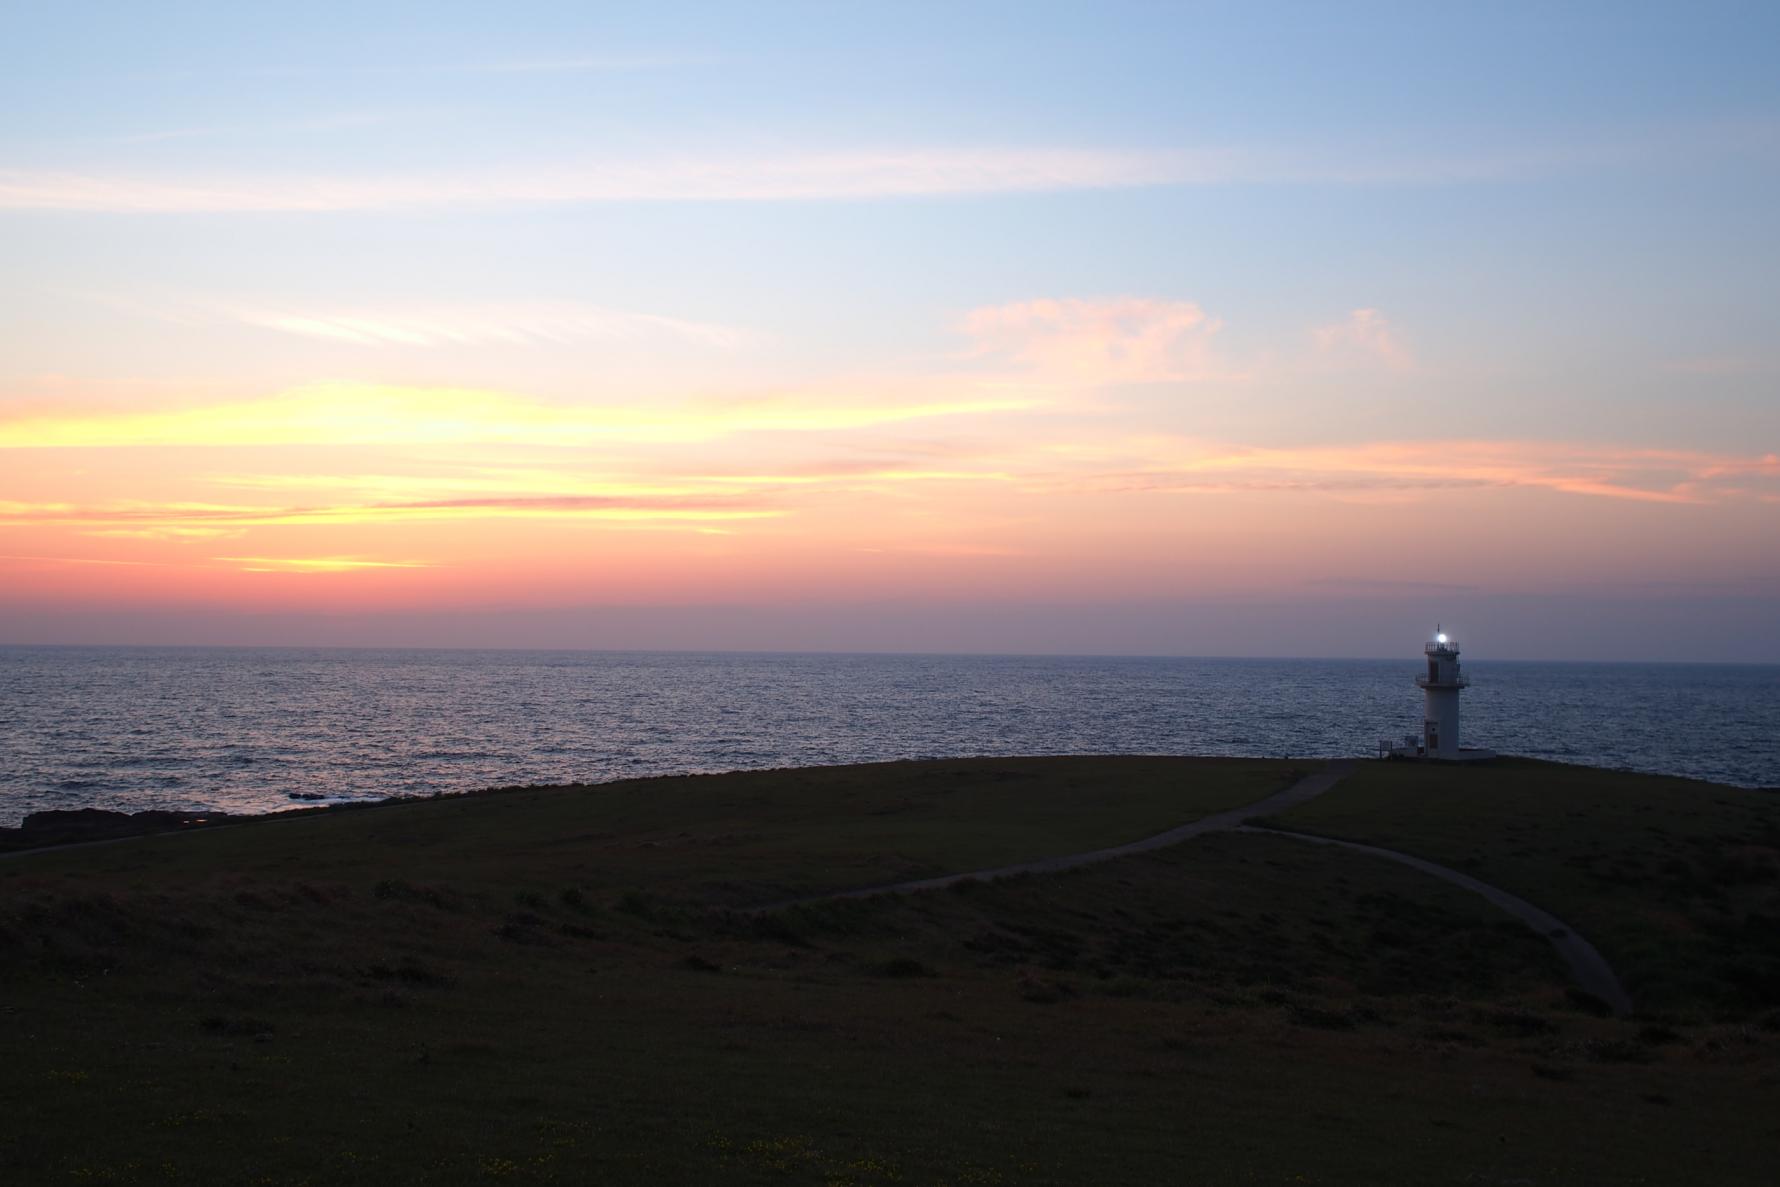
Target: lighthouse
{"points": [[1440, 720]]}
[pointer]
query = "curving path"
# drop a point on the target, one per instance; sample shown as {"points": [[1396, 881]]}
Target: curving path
{"points": [[1306, 788], [1588, 968]]}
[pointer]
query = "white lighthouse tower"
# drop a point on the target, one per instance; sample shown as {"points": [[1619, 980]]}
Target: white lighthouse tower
{"points": [[1440, 721]]}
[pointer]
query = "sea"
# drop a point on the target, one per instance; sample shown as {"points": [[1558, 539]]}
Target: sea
{"points": [[246, 729]]}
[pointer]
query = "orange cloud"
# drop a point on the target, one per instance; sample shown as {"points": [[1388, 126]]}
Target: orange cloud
{"points": [[314, 564], [14, 514], [179, 534]]}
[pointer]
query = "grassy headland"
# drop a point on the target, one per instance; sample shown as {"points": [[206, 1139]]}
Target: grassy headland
{"points": [[1676, 881], [554, 985]]}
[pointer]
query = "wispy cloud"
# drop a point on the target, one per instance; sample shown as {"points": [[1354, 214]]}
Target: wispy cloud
{"points": [[610, 481], [58, 561], [986, 506], [324, 123], [183, 514], [688, 177], [314, 564], [1093, 342], [180, 535], [705, 174], [1365, 338], [246, 564], [641, 493], [952, 550], [519, 324], [343, 414], [1396, 469], [554, 63], [1373, 586]]}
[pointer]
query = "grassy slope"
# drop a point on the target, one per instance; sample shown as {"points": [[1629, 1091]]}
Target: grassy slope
{"points": [[537, 986], [735, 839], [1676, 881]]}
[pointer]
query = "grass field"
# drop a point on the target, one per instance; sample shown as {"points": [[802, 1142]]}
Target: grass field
{"points": [[1676, 881], [553, 985]]}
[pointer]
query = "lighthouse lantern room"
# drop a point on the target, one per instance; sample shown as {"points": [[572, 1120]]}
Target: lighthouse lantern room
{"points": [[1440, 721]]}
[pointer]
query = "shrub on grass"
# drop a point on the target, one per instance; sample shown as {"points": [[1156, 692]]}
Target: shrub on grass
{"points": [[844, 916], [776, 927], [396, 890], [520, 929], [1616, 1051], [636, 902], [1321, 1019], [1586, 1002], [238, 1027], [1752, 978], [1517, 1022], [1043, 991], [410, 972], [903, 966], [1448, 1034]]}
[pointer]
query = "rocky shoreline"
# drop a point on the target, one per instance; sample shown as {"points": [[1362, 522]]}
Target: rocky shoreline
{"points": [[81, 826]]}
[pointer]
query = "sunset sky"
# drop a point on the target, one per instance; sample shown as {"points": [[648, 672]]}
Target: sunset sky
{"points": [[1180, 329]]}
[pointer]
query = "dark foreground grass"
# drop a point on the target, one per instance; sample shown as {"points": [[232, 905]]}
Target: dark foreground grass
{"points": [[1676, 881], [552, 986]]}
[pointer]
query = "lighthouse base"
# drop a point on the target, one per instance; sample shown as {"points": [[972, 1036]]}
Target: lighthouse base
{"points": [[1413, 748]]}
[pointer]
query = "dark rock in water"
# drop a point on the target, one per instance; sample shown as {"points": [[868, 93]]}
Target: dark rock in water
{"points": [[58, 820], [160, 819], [71, 826], [306, 795]]}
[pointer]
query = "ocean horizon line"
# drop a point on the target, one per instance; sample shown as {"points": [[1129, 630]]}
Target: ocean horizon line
{"points": [[363, 648]]}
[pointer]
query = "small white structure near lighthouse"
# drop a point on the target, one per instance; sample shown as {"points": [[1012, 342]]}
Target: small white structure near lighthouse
{"points": [[1440, 720], [1441, 684]]}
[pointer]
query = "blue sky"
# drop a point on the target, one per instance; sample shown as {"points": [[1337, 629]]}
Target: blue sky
{"points": [[1539, 237]]}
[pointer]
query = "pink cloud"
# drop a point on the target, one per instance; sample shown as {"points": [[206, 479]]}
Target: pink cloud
{"points": [[1365, 338], [1118, 340], [1405, 469]]}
